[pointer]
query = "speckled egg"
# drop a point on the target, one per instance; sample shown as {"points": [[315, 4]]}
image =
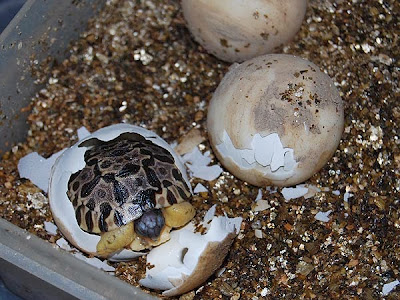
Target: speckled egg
{"points": [[236, 30], [275, 120]]}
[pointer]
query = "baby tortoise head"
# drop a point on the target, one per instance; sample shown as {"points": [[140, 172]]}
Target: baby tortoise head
{"points": [[150, 223], [126, 180]]}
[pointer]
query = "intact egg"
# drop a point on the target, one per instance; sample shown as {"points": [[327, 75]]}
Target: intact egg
{"points": [[236, 30], [275, 120]]}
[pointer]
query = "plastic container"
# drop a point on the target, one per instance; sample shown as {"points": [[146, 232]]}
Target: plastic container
{"points": [[8, 9], [30, 267]]}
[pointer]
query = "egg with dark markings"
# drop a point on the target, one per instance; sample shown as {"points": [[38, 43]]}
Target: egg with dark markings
{"points": [[237, 30], [275, 120]]}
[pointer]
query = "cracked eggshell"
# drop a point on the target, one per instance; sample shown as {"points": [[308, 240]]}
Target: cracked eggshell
{"points": [[275, 120], [189, 258], [71, 161], [236, 30]]}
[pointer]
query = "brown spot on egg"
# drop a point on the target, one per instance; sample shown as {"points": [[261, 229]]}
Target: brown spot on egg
{"points": [[224, 43], [268, 117]]}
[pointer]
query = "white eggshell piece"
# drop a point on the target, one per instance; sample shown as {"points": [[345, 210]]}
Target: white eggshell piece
{"points": [[82, 133], [262, 205], [63, 244], [200, 189], [50, 228], [209, 214], [236, 30], [95, 262], [197, 163], [175, 260], [71, 161], [388, 287], [266, 154], [323, 216], [37, 169], [195, 157], [259, 195], [275, 120], [294, 192]]}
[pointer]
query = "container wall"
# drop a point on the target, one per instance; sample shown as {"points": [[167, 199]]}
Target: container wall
{"points": [[34, 269], [41, 28]]}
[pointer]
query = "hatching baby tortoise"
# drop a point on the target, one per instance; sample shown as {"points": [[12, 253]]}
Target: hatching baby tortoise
{"points": [[130, 192]]}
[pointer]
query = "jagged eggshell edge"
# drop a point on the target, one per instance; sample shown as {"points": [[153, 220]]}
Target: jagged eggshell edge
{"points": [[189, 258]]}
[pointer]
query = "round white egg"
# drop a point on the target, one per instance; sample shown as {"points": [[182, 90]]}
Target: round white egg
{"points": [[236, 30], [275, 120]]}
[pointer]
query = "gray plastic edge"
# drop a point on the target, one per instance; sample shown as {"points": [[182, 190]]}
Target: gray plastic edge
{"points": [[45, 272]]}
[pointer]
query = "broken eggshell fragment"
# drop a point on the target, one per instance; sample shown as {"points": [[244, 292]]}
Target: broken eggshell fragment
{"points": [[189, 258], [236, 30], [70, 162], [275, 120]]}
